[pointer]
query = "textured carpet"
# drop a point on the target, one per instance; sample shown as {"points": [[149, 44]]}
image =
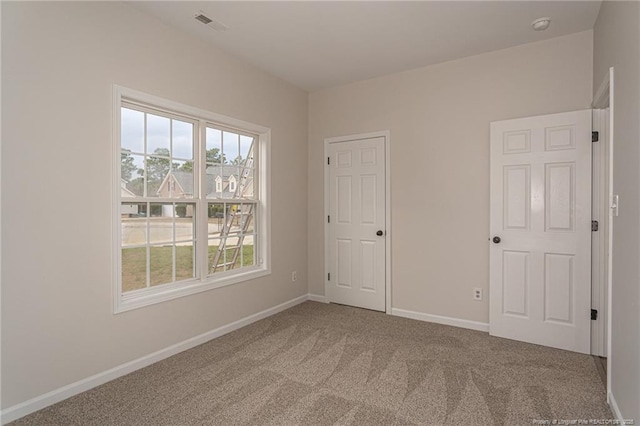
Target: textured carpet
{"points": [[337, 365]]}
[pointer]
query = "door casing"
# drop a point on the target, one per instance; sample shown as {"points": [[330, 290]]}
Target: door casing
{"points": [[604, 100], [599, 239], [387, 194]]}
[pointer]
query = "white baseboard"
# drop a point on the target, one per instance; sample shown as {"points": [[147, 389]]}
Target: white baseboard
{"points": [[317, 298], [455, 322], [614, 407], [27, 407]]}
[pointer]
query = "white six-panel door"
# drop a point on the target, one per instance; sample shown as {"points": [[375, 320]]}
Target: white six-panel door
{"points": [[540, 268], [357, 216]]}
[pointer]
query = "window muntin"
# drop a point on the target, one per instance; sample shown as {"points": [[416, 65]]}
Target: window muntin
{"points": [[167, 239]]}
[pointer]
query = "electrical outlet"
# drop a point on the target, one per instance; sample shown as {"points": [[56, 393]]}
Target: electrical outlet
{"points": [[477, 293], [294, 276]]}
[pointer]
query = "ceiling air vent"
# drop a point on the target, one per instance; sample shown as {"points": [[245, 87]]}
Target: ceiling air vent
{"points": [[212, 23], [200, 17]]}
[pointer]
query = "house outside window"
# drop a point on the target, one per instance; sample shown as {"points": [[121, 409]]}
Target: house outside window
{"points": [[192, 200]]}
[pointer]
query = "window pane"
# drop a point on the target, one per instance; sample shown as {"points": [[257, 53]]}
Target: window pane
{"points": [[184, 261], [215, 180], [134, 268], [224, 173], [246, 182], [233, 180], [155, 211], [246, 146], [210, 181], [233, 258], [215, 261], [248, 219], [157, 170], [161, 265], [132, 130], [131, 175], [230, 147], [181, 182], [233, 219], [161, 223], [133, 223], [182, 140], [232, 242], [247, 251], [184, 223], [215, 218], [214, 145], [157, 135], [224, 254]]}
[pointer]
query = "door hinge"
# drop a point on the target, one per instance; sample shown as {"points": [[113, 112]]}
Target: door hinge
{"points": [[594, 225], [328, 219], [594, 314], [328, 160], [595, 136], [329, 276]]}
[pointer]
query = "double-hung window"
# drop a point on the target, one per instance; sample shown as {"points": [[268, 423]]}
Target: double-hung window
{"points": [[190, 197]]}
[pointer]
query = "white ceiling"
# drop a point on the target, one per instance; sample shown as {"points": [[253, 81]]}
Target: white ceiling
{"points": [[318, 44]]}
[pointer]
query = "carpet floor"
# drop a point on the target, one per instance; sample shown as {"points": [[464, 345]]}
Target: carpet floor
{"points": [[321, 364]]}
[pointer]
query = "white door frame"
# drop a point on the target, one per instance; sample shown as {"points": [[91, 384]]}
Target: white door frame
{"points": [[604, 98], [599, 195], [387, 201]]}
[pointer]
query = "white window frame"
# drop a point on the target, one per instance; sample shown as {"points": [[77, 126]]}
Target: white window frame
{"points": [[152, 295]]}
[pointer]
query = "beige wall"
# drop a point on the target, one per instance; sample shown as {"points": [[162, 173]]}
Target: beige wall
{"points": [[439, 118], [617, 44], [59, 61]]}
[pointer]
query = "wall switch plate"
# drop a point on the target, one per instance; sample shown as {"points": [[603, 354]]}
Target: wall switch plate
{"points": [[294, 276], [477, 293]]}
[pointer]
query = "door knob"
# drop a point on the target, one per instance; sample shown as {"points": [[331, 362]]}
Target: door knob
{"points": [[379, 233], [496, 240]]}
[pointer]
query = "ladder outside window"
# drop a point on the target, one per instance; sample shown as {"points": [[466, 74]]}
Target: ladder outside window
{"points": [[237, 219]]}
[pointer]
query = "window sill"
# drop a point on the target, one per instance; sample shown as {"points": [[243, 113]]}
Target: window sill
{"points": [[150, 296]]}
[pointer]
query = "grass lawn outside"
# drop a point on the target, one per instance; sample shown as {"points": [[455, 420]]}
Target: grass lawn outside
{"points": [[134, 264]]}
